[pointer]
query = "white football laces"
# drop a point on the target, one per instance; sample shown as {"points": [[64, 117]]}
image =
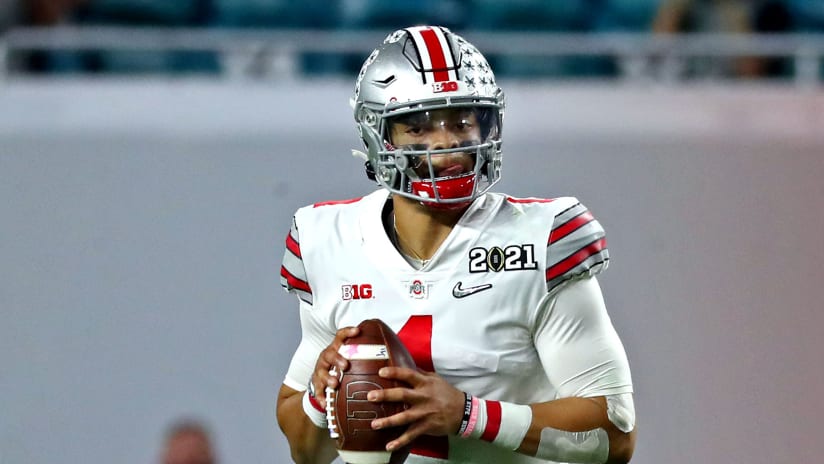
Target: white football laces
{"points": [[330, 404]]}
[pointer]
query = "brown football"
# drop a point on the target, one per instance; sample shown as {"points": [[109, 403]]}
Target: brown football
{"points": [[376, 346]]}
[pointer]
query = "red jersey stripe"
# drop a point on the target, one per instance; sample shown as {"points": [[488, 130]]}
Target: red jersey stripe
{"points": [[431, 446], [336, 202], [293, 246], [529, 200], [576, 258], [293, 281], [570, 226], [436, 55], [493, 420]]}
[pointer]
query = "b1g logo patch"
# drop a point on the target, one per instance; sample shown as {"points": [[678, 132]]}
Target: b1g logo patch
{"points": [[449, 86], [497, 259], [356, 292]]}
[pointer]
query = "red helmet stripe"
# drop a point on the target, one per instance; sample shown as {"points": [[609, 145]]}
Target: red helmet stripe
{"points": [[436, 59], [436, 55]]}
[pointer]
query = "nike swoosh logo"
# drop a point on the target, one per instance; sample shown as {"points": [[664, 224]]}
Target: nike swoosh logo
{"points": [[459, 292]]}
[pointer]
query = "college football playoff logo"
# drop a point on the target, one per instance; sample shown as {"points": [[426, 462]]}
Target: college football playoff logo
{"points": [[497, 259]]}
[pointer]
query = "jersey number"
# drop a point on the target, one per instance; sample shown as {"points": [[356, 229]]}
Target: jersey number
{"points": [[416, 335]]}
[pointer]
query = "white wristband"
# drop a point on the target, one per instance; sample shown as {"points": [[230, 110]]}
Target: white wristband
{"points": [[317, 417], [501, 423]]}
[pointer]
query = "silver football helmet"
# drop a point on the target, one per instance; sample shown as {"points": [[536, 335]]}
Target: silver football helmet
{"points": [[416, 72]]}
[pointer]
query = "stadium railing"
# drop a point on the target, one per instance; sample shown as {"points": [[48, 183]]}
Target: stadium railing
{"points": [[275, 54]]}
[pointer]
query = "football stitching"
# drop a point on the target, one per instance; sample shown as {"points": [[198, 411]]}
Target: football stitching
{"points": [[331, 397]]}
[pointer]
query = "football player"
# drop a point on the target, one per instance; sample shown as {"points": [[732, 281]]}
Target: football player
{"points": [[495, 297]]}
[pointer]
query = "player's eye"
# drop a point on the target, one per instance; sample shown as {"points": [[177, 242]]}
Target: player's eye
{"points": [[415, 130], [464, 125]]}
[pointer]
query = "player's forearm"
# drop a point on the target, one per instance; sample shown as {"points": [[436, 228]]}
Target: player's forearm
{"points": [[584, 420], [309, 444], [577, 430]]}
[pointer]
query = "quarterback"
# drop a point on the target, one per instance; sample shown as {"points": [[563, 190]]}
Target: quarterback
{"points": [[495, 297]]}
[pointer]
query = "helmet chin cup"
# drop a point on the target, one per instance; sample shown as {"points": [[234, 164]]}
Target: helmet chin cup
{"points": [[444, 190]]}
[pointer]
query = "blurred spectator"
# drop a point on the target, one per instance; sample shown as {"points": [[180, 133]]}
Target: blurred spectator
{"points": [[49, 12], [676, 16], [10, 15], [188, 442], [773, 17], [710, 16], [38, 13]]}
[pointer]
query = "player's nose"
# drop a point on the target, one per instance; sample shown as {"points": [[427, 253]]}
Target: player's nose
{"points": [[444, 138]]}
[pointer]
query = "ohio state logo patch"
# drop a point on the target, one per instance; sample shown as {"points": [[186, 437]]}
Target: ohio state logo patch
{"points": [[417, 289]]}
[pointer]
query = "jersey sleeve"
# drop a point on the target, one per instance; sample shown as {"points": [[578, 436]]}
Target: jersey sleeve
{"points": [[293, 276], [315, 337], [316, 332], [579, 348], [576, 247]]}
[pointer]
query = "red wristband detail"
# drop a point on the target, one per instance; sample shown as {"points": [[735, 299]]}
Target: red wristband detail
{"points": [[315, 404], [493, 420]]}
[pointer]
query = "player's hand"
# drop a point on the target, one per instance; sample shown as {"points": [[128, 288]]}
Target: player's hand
{"points": [[329, 358], [435, 406]]}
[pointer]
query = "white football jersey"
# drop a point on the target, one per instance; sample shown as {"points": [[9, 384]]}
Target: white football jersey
{"points": [[487, 312]]}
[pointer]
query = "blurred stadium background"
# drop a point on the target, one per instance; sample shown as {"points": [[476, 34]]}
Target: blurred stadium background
{"points": [[537, 39], [152, 153]]}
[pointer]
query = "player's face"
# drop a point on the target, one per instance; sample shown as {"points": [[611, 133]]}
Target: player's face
{"points": [[437, 130]]}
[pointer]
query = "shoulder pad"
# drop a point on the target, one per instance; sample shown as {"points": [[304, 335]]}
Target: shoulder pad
{"points": [[576, 247]]}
